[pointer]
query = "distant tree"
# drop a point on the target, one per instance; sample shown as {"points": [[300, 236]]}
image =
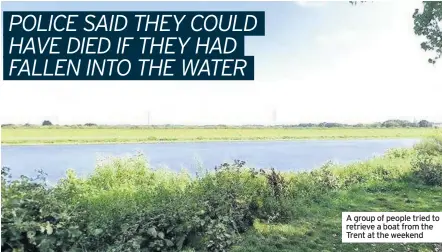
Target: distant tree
{"points": [[46, 123], [332, 125], [356, 2], [425, 124], [306, 125], [90, 124], [398, 124], [375, 125]]}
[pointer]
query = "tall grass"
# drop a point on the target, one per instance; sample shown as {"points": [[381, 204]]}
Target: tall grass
{"points": [[126, 205]]}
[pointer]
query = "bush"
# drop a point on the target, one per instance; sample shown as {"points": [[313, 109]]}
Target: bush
{"points": [[399, 153], [431, 146], [428, 169], [324, 178], [127, 206], [34, 220], [427, 163]]}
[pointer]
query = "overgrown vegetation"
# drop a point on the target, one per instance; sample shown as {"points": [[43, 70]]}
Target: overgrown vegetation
{"points": [[428, 161], [127, 206]]}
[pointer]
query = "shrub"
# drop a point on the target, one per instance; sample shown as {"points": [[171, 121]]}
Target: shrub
{"points": [[33, 219], [324, 178], [399, 153], [431, 146], [428, 169], [312, 185], [124, 205], [277, 198], [427, 163]]}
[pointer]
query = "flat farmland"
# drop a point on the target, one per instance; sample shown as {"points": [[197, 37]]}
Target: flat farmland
{"points": [[61, 135]]}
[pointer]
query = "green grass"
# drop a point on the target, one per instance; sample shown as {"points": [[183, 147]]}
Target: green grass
{"points": [[317, 226], [44, 135]]}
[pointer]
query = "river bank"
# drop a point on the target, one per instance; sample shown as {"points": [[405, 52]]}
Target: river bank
{"points": [[48, 135], [125, 205]]}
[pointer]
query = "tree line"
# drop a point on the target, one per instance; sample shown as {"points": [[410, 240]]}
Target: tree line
{"points": [[386, 124]]}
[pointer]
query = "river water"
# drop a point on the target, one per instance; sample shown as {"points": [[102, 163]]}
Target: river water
{"points": [[282, 155]]}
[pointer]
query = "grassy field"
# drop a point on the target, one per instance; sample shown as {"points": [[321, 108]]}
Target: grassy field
{"points": [[124, 135], [125, 205], [317, 226]]}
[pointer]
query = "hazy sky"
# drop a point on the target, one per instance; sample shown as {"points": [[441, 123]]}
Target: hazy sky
{"points": [[318, 62]]}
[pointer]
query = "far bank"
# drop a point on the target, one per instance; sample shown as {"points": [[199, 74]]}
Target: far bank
{"points": [[96, 135]]}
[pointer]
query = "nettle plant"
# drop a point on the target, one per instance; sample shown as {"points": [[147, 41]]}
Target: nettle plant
{"points": [[33, 219]]}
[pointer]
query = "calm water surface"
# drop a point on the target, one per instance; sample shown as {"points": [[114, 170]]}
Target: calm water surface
{"points": [[282, 155]]}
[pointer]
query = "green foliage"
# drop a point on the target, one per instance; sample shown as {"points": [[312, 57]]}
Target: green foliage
{"points": [[46, 123], [429, 169], [316, 226], [428, 23], [399, 124], [431, 146], [33, 219], [425, 124], [399, 153], [427, 163], [125, 205], [381, 184], [324, 178]]}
